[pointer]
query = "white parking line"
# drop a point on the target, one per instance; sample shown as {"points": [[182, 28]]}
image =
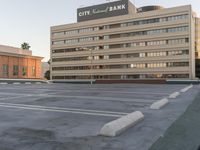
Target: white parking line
{"points": [[121, 99], [114, 99], [61, 108], [22, 94], [64, 110], [113, 92], [10, 98], [99, 90], [109, 91], [126, 92]]}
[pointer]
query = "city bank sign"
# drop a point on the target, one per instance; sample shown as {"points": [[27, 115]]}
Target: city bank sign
{"points": [[103, 11]]}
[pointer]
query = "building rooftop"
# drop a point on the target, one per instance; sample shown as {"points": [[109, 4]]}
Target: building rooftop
{"points": [[14, 50], [4, 49]]}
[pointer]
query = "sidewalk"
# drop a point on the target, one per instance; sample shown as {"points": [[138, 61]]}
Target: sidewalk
{"points": [[184, 134]]}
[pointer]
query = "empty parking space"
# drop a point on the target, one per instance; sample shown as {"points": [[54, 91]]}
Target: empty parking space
{"points": [[100, 98], [64, 111], [116, 98], [125, 98]]}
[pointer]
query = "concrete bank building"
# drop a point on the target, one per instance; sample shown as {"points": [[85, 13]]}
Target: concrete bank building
{"points": [[117, 41]]}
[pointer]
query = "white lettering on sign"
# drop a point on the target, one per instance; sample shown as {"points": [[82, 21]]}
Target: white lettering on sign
{"points": [[106, 10], [118, 7], [96, 11], [84, 13]]}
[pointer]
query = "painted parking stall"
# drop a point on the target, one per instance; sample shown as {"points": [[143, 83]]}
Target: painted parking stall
{"points": [[82, 111]]}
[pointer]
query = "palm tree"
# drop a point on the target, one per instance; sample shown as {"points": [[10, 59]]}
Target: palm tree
{"points": [[25, 46]]}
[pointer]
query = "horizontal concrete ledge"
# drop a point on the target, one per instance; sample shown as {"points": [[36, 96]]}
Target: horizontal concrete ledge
{"points": [[159, 104], [113, 81], [38, 83], [116, 127], [174, 95], [186, 88], [27, 82], [11, 81], [78, 81], [3, 83], [16, 83], [184, 81]]}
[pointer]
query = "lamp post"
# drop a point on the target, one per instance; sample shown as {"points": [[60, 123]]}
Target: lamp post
{"points": [[91, 66]]}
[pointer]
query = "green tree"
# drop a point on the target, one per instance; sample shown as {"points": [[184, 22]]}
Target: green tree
{"points": [[25, 46], [47, 75]]}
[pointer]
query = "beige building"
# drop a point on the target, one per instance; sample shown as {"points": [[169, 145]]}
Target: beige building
{"points": [[140, 43]]}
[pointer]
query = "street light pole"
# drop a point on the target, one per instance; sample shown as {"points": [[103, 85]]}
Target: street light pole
{"points": [[91, 66]]}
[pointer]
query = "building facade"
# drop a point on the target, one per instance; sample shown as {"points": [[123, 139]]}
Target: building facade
{"points": [[119, 41], [16, 63]]}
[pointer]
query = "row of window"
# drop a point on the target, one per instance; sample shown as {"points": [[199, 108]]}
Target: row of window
{"points": [[134, 44], [157, 31], [129, 23], [70, 59], [155, 20], [150, 54], [129, 55], [133, 76], [16, 69], [147, 54], [125, 66], [138, 33]]}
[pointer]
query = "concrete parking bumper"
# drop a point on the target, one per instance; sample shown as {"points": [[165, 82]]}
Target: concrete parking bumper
{"points": [[116, 127], [159, 104], [186, 88], [174, 95]]}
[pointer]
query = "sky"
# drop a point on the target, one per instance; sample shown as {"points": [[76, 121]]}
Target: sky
{"points": [[30, 20]]}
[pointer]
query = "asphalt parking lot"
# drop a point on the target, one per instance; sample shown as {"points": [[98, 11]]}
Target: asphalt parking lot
{"points": [[70, 116]]}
